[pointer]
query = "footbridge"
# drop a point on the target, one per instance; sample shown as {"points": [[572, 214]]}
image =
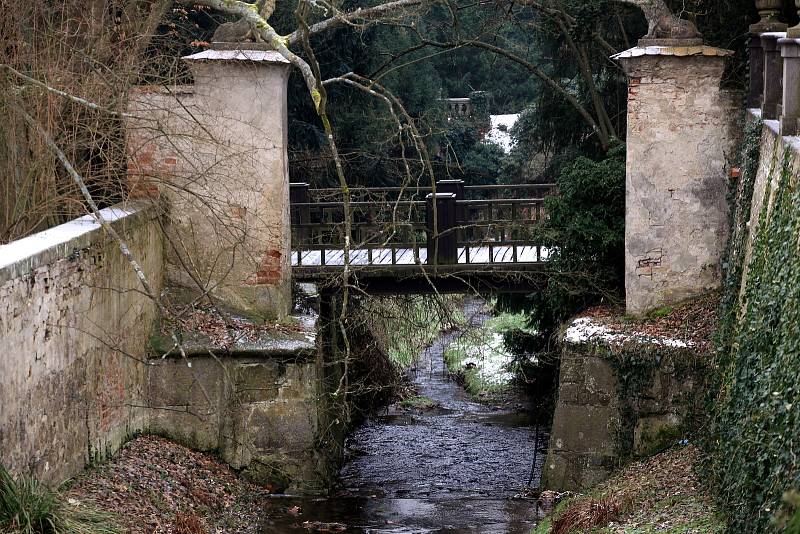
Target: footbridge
{"points": [[450, 237]]}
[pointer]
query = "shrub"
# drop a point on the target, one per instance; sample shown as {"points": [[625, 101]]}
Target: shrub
{"points": [[586, 228]]}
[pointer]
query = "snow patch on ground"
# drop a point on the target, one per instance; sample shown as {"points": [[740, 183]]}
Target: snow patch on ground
{"points": [[585, 329], [492, 361], [500, 134]]}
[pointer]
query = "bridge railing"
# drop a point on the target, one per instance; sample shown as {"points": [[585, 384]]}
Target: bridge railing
{"points": [[395, 227], [419, 192]]}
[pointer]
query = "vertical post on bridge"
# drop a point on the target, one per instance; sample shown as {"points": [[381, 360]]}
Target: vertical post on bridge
{"points": [[300, 215], [442, 243], [457, 188]]}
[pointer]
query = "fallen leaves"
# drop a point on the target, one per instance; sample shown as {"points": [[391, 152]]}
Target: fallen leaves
{"points": [[693, 321], [662, 492], [294, 510], [159, 487], [224, 330]]}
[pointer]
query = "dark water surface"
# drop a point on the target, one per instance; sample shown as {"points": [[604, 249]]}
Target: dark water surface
{"points": [[454, 469]]}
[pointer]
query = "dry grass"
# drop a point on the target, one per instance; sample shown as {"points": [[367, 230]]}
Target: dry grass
{"points": [[586, 514], [189, 524]]}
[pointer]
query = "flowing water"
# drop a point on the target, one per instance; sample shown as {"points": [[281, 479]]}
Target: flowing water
{"points": [[452, 469]]}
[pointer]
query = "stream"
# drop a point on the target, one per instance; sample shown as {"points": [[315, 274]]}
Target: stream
{"points": [[451, 469]]}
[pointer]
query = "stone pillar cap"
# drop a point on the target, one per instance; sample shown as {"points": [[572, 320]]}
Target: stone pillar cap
{"points": [[680, 51], [244, 54], [440, 195]]}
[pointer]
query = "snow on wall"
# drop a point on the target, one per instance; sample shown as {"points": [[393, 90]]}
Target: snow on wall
{"points": [[586, 329]]}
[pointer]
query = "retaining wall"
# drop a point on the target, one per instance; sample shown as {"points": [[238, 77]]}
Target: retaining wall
{"points": [[619, 396], [73, 322]]}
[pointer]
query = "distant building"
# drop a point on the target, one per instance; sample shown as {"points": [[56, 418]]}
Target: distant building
{"points": [[458, 107]]}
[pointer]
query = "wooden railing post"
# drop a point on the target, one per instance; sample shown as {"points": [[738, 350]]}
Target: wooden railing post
{"points": [[790, 52], [442, 242], [298, 194], [457, 188], [773, 77], [756, 90]]}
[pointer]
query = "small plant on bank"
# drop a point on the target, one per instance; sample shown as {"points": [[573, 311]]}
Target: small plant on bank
{"points": [[29, 507], [419, 403], [586, 514]]}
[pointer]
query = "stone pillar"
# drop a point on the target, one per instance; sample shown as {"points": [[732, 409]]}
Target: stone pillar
{"points": [[755, 92], [773, 76], [790, 110], [216, 152], [681, 129]]}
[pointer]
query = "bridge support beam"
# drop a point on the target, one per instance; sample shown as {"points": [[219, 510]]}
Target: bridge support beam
{"points": [[216, 154], [681, 129]]}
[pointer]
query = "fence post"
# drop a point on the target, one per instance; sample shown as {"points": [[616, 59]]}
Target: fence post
{"points": [[442, 242], [298, 194], [773, 77], [790, 52], [756, 90]]}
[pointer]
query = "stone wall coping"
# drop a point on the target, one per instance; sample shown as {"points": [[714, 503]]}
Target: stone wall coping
{"points": [[774, 126], [680, 51], [773, 35], [22, 256], [257, 56]]}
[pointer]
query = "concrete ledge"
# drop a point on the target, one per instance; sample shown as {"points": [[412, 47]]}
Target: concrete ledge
{"points": [[23, 256]]}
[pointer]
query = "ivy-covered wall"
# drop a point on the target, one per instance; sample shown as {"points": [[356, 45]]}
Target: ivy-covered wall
{"points": [[754, 437]]}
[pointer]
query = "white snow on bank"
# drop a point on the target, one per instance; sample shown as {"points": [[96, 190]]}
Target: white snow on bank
{"points": [[585, 329], [500, 134], [21, 249], [492, 361]]}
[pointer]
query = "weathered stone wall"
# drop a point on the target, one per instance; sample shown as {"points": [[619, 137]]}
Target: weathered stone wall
{"points": [[73, 323], [217, 151], [618, 397], [681, 134], [264, 411], [81, 369]]}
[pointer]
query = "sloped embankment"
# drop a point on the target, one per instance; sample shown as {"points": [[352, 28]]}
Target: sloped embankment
{"points": [[663, 493]]}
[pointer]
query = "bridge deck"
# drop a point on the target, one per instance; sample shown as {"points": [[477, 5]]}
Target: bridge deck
{"points": [[467, 256]]}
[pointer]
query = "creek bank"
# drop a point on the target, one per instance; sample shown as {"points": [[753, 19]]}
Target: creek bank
{"points": [[663, 493], [155, 486]]}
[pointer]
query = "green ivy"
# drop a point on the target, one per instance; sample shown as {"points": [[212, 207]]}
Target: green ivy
{"points": [[755, 428]]}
